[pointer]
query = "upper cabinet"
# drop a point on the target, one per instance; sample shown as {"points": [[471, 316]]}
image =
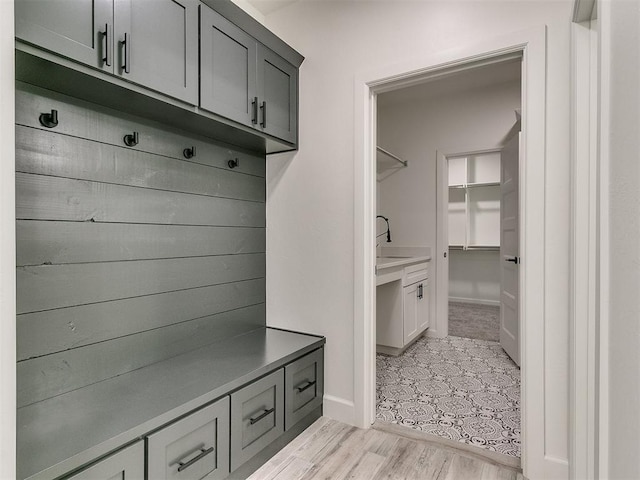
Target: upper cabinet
{"points": [[153, 43], [278, 95], [81, 30], [244, 81], [233, 70], [157, 44]]}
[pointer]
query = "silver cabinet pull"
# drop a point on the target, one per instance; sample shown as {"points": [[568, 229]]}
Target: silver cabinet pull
{"points": [[263, 107], [261, 416], [305, 386], [203, 453], [126, 44], [108, 44]]}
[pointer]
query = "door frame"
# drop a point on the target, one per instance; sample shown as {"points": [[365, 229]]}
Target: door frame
{"points": [[531, 44], [441, 322]]}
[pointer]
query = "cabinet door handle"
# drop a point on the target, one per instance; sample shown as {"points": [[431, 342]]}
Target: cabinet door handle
{"points": [[263, 107], [203, 453], [126, 44], [420, 291], [108, 45], [254, 110], [261, 416], [303, 387]]}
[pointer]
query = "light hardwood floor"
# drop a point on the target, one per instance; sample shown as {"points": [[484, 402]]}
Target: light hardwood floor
{"points": [[334, 451]]}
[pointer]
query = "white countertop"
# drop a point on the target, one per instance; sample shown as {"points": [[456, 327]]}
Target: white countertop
{"points": [[389, 262]]}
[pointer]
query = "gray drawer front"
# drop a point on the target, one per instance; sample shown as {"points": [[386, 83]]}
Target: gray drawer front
{"points": [[128, 463], [304, 386], [198, 445], [254, 424]]}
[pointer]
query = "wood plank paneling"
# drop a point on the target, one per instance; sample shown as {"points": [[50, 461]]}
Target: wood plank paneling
{"points": [[46, 287], [41, 197], [127, 255], [85, 120], [49, 153], [52, 331], [52, 375], [80, 242]]}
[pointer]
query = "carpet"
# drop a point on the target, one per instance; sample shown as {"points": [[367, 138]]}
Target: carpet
{"points": [[471, 320]]}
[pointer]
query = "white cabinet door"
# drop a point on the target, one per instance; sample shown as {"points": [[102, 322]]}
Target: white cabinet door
{"points": [[423, 307], [509, 251], [410, 314], [416, 310]]}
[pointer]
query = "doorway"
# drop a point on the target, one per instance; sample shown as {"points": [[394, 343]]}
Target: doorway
{"points": [[461, 389], [530, 45]]}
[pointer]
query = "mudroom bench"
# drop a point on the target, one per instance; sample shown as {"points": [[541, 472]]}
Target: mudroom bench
{"points": [[216, 412]]}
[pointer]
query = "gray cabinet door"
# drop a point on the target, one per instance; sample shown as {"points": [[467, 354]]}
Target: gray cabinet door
{"points": [[278, 93], [75, 29], [304, 387], [228, 69], [157, 45], [194, 447], [127, 463], [257, 417]]}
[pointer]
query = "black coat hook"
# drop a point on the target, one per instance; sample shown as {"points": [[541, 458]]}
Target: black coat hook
{"points": [[233, 163], [49, 120], [189, 152], [131, 140]]}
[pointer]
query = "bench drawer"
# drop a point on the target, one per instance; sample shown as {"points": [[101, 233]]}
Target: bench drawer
{"points": [[257, 417], [194, 447], [304, 387]]}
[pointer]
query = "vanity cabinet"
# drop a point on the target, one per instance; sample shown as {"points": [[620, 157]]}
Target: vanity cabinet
{"points": [[403, 307], [153, 44], [193, 447], [245, 81], [124, 464], [415, 317]]}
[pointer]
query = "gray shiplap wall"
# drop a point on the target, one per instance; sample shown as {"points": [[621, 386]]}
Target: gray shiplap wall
{"points": [[127, 255]]}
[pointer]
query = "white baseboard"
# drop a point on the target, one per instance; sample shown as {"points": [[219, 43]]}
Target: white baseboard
{"points": [[339, 409], [479, 301]]}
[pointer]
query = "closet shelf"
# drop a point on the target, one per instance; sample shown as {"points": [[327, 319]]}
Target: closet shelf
{"points": [[391, 155]]}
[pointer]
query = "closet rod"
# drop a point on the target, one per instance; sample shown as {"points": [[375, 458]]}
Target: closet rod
{"points": [[397, 159]]}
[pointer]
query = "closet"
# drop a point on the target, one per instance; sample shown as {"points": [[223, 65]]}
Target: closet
{"points": [[474, 226]]}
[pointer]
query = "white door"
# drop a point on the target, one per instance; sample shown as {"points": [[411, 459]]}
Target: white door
{"points": [[509, 252]]}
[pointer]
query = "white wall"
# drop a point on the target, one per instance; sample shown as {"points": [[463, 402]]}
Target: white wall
{"points": [[620, 23], [461, 121], [474, 276], [310, 198], [7, 246]]}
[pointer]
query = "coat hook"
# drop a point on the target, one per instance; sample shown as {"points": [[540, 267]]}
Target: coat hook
{"points": [[49, 120], [189, 152], [233, 163], [131, 140]]}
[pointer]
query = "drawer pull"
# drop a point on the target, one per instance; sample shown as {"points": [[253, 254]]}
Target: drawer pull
{"points": [[302, 388], [261, 416], [203, 453]]}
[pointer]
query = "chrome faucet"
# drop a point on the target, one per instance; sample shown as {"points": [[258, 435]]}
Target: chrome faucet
{"points": [[388, 232]]}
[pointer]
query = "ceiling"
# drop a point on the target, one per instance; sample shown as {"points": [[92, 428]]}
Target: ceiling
{"points": [[479, 77], [268, 6]]}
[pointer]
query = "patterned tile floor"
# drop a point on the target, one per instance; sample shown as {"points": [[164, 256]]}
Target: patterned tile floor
{"points": [[462, 389]]}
